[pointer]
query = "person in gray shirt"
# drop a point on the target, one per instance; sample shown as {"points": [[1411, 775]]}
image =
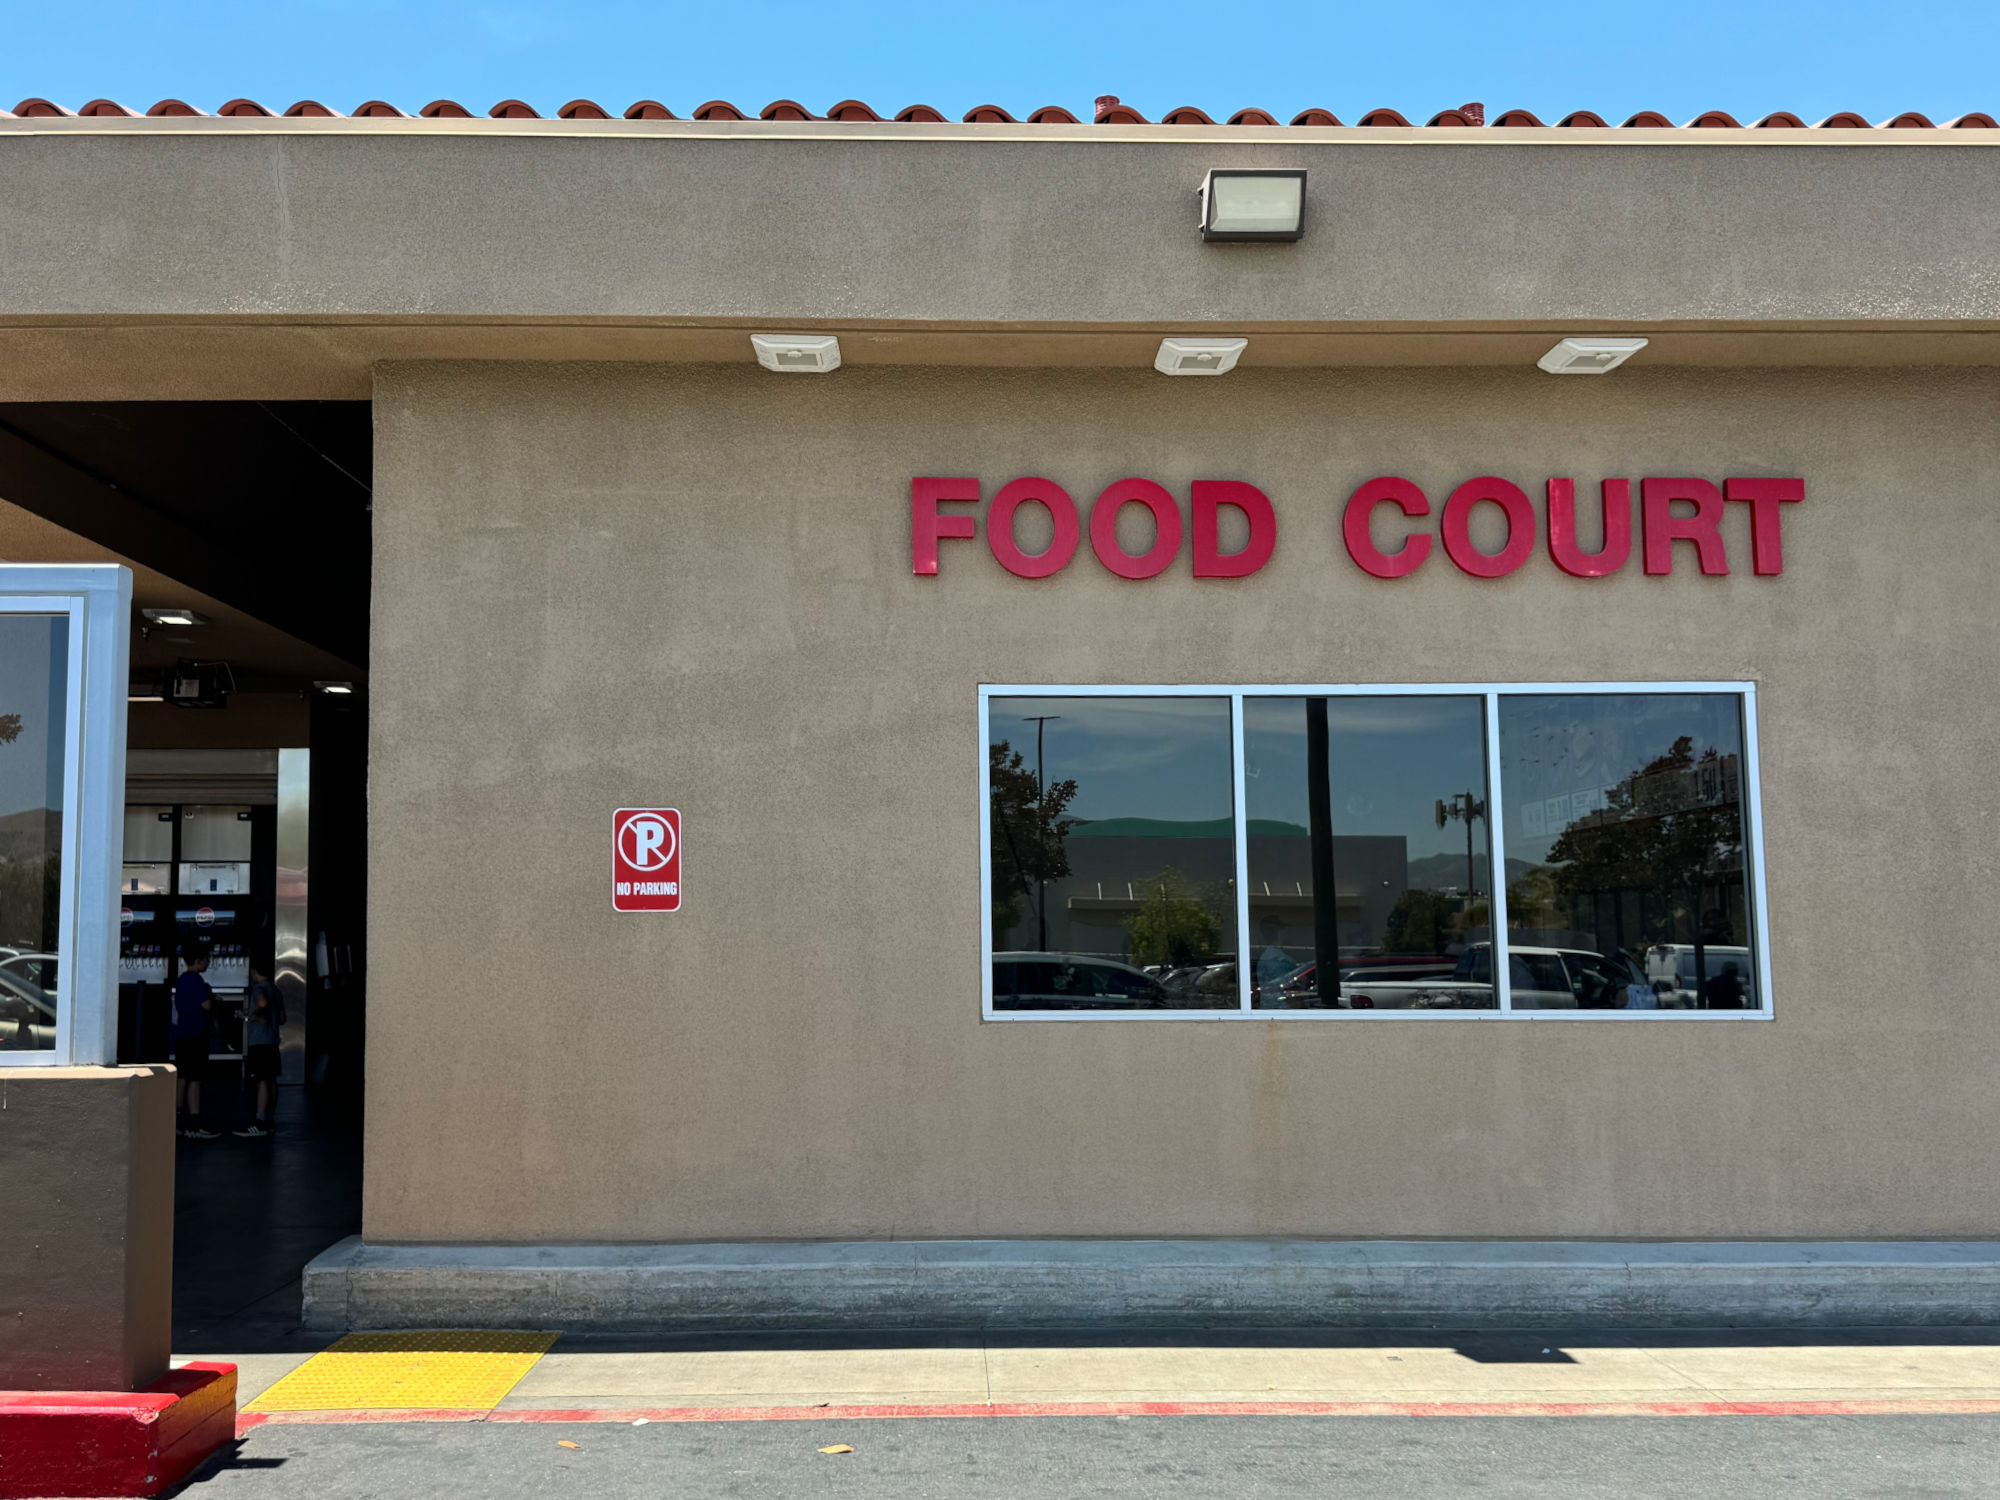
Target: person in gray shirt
{"points": [[263, 1016]]}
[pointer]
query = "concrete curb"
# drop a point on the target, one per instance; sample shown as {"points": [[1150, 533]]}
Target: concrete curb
{"points": [[1249, 1284]]}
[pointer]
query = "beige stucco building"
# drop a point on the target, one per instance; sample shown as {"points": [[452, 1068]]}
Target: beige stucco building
{"points": [[617, 564]]}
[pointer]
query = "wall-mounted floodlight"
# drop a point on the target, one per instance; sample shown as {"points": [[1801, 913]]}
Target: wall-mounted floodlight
{"points": [[174, 616], [1253, 203], [1199, 356], [337, 689], [806, 353], [1591, 356]]}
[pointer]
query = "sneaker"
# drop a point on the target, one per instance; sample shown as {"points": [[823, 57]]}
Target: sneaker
{"points": [[252, 1133], [202, 1135]]}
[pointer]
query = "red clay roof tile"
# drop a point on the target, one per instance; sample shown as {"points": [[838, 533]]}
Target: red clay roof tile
{"points": [[1109, 110]]}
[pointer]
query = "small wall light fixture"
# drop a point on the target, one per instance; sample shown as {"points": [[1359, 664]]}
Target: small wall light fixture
{"points": [[1589, 356], [804, 353], [1253, 203], [1199, 356], [337, 689], [174, 616]]}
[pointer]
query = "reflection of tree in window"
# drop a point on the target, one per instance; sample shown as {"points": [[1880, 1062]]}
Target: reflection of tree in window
{"points": [[1029, 838], [30, 872], [1674, 827], [1173, 925], [1423, 921]]}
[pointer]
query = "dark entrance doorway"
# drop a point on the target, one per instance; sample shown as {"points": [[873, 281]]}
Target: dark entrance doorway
{"points": [[248, 529]]}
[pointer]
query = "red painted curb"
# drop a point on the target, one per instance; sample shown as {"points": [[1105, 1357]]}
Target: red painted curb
{"points": [[829, 1412], [114, 1443]]}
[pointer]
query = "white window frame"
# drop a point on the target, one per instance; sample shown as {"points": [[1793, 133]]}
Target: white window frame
{"points": [[97, 599], [1490, 693]]}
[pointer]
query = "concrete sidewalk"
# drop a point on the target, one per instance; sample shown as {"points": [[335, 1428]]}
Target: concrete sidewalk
{"points": [[683, 1377]]}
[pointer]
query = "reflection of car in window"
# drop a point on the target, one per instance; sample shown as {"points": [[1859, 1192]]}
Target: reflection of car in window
{"points": [[27, 1014], [1538, 978], [39, 969], [1301, 991], [1074, 981], [1673, 965]]}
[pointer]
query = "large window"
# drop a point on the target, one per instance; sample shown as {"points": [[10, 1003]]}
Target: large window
{"points": [[1532, 851], [34, 790], [65, 634]]}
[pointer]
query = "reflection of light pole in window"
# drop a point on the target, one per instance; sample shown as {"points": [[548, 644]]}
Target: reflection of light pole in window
{"points": [[1040, 721], [1465, 807]]}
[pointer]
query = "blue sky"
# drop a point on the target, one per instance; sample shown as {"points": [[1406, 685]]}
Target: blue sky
{"points": [[1615, 58]]}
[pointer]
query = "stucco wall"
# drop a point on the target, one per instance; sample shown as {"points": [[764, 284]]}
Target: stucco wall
{"points": [[599, 586], [964, 227]]}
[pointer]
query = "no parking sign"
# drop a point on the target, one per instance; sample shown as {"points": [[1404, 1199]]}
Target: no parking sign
{"points": [[646, 859]]}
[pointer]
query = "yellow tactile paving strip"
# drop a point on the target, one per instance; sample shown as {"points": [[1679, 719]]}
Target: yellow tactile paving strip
{"points": [[441, 1371]]}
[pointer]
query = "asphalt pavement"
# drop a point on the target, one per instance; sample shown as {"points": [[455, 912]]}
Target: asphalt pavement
{"points": [[1067, 1458]]}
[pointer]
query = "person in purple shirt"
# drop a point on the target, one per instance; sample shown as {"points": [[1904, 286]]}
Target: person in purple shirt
{"points": [[194, 1004]]}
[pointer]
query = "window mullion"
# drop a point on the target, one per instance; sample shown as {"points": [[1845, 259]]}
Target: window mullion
{"points": [[1244, 963], [1496, 860]]}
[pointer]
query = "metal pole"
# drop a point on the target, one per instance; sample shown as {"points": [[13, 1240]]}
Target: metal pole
{"points": [[1471, 878], [1326, 915], [1041, 722]]}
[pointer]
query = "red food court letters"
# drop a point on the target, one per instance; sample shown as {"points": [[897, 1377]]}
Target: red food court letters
{"points": [[1684, 509], [1207, 500], [1661, 525]]}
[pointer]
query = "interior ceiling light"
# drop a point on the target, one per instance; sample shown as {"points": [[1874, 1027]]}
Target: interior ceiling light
{"points": [[1591, 356], [1253, 204], [1198, 356], [175, 616], [336, 688], [806, 353]]}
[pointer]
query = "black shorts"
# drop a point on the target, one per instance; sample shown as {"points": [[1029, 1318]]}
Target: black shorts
{"points": [[191, 1057], [260, 1062]]}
